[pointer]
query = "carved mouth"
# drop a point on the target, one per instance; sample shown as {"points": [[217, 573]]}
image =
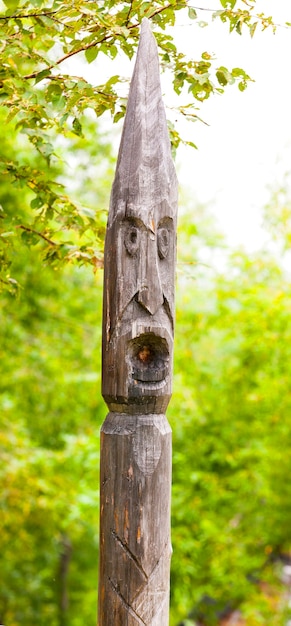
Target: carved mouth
{"points": [[149, 359]]}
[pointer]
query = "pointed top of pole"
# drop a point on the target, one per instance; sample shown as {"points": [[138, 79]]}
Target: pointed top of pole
{"points": [[145, 176]]}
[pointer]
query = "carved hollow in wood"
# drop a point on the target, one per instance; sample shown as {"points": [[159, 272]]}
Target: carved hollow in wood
{"points": [[140, 250]]}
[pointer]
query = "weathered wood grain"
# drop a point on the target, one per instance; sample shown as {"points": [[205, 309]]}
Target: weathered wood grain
{"points": [[137, 353], [140, 250], [135, 546]]}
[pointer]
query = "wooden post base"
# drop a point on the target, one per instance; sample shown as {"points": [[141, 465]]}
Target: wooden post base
{"points": [[135, 546]]}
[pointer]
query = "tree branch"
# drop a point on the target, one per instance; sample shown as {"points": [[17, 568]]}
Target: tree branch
{"points": [[129, 12], [70, 54], [94, 43], [261, 18], [28, 15], [36, 232], [160, 10], [192, 6]]}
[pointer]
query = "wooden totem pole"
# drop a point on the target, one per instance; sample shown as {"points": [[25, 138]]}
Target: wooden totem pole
{"points": [[138, 325]]}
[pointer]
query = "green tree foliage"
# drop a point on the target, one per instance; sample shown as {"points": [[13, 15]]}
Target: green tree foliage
{"points": [[48, 106], [230, 412], [51, 411]]}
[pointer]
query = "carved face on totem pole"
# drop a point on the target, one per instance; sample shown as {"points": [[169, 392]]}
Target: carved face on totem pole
{"points": [[140, 249]]}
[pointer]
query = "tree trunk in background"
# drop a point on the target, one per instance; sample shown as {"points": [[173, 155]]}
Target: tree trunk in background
{"points": [[65, 557]]}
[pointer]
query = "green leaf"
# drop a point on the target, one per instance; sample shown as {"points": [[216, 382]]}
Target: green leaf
{"points": [[118, 116], [43, 74], [29, 239], [36, 203], [12, 4], [122, 30], [63, 119], [144, 8], [242, 86], [228, 4], [221, 78], [77, 126], [112, 51], [238, 27], [113, 80], [238, 71], [191, 144], [192, 13], [54, 90], [85, 10], [253, 28], [91, 54], [169, 46]]}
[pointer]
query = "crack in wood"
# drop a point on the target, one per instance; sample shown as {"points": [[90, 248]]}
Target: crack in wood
{"points": [[161, 557], [162, 593], [127, 606], [130, 554], [139, 596]]}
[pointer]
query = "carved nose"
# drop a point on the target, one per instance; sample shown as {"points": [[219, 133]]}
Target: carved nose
{"points": [[150, 299], [150, 295]]}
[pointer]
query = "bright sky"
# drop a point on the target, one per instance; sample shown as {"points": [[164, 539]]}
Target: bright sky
{"points": [[247, 146]]}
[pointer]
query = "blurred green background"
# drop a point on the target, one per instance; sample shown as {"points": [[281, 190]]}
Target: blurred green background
{"points": [[230, 415]]}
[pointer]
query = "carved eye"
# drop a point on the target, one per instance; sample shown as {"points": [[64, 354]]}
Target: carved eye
{"points": [[163, 242], [131, 240]]}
